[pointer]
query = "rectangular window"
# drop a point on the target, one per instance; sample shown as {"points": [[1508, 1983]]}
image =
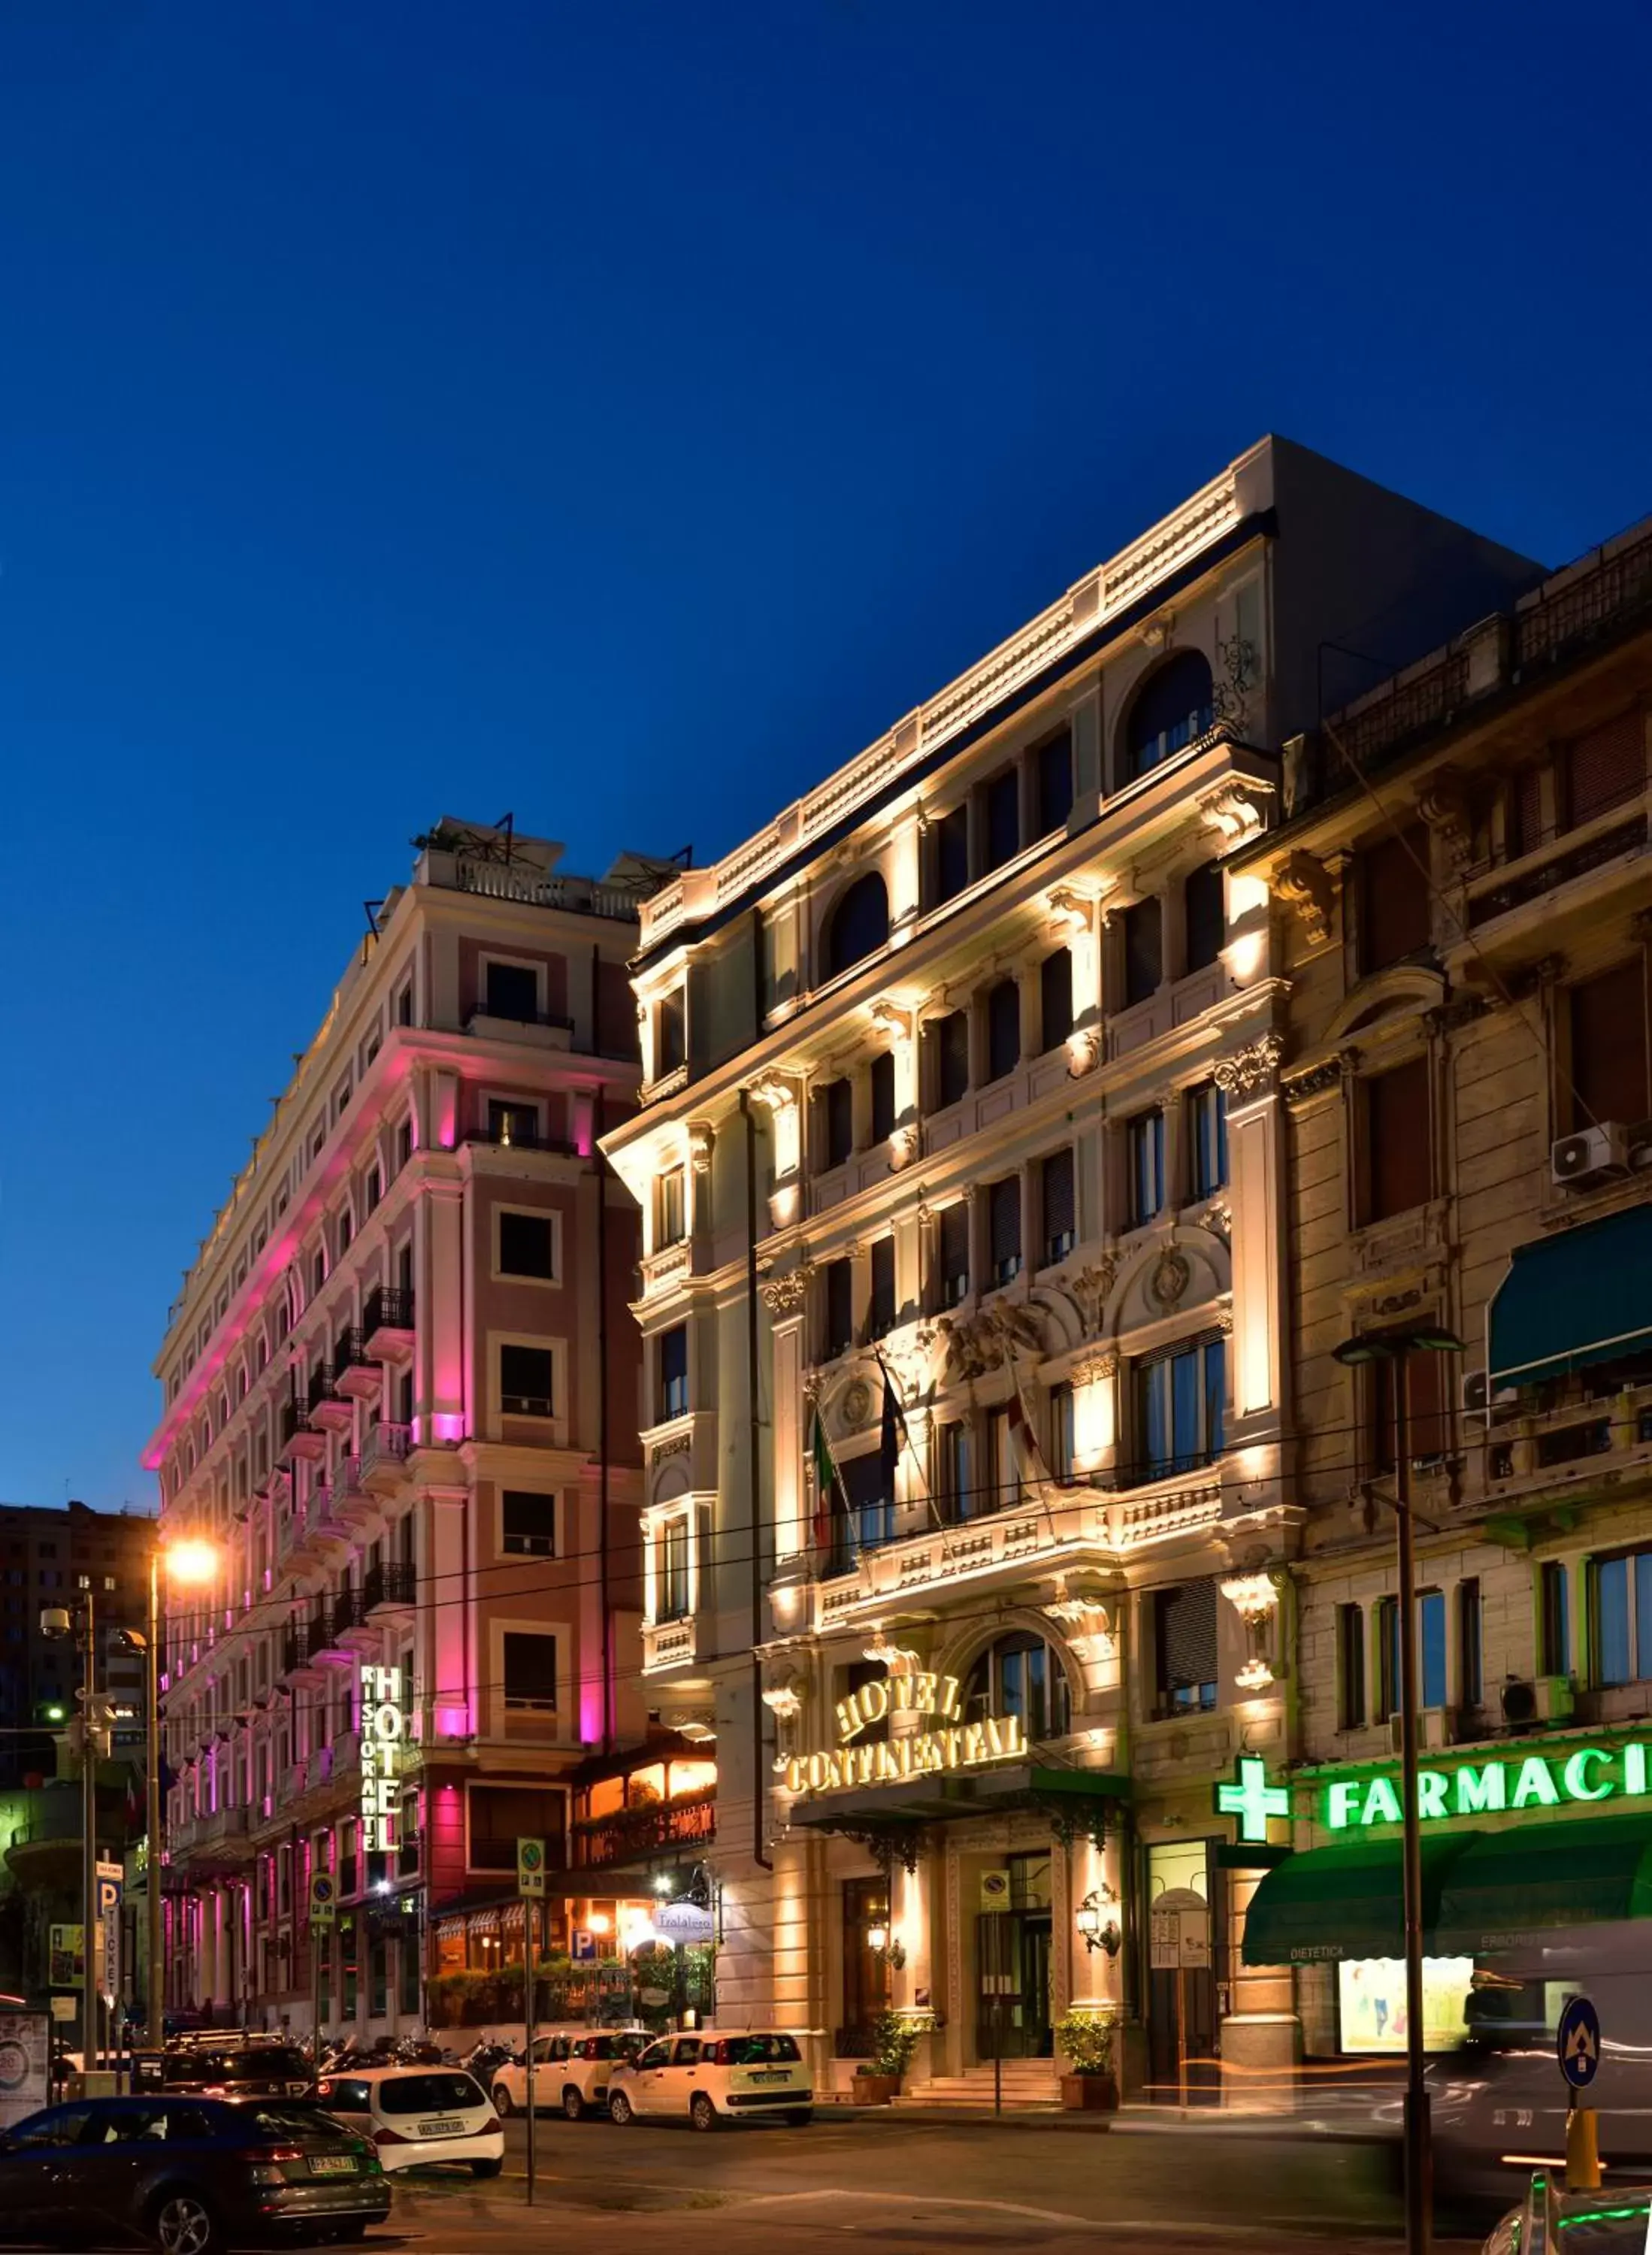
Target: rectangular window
{"points": [[871, 1503], [512, 991], [1204, 916], [954, 1254], [1061, 1432], [1396, 913], [1144, 951], [673, 1372], [530, 1671], [1001, 802], [837, 1122], [672, 1593], [1003, 1029], [513, 1124], [952, 1472], [1207, 1140], [1054, 762], [1003, 1223], [950, 1039], [1431, 1643], [882, 1080], [1427, 1410], [526, 1381], [1350, 1668], [880, 1313], [1399, 1156], [1555, 1610], [1623, 1618], [1145, 1143], [671, 1037], [526, 1245], [1605, 768], [530, 1523], [1003, 1470], [1181, 1397], [1057, 1201], [671, 1208], [1185, 1647], [1609, 1047], [951, 853], [1471, 1681], [839, 1294], [1386, 1622], [1055, 999]]}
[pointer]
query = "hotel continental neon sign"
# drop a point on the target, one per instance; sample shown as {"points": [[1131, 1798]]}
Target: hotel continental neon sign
{"points": [[954, 1744]]}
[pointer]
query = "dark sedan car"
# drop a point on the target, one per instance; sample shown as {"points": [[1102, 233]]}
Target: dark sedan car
{"points": [[192, 2176]]}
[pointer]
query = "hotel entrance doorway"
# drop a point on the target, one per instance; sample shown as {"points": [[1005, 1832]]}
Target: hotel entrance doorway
{"points": [[1012, 1966]]}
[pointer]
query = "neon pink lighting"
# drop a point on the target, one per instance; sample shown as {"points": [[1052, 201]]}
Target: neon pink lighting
{"points": [[447, 1425], [453, 1723], [591, 1713]]}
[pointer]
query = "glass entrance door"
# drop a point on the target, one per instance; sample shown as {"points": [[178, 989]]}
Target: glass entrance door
{"points": [[1181, 2000], [1012, 1961]]}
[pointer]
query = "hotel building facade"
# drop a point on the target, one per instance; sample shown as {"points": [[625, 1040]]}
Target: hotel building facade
{"points": [[400, 1395], [970, 1511], [1461, 954]]}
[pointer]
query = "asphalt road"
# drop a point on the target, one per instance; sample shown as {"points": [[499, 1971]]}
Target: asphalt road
{"points": [[907, 2184]]}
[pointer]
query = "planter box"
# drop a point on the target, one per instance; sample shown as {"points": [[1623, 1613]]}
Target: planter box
{"points": [[876, 2090], [1090, 2094]]}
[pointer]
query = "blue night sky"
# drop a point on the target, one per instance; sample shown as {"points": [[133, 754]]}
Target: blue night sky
{"points": [[619, 416]]}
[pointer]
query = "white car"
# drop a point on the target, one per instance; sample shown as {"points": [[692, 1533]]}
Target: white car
{"points": [[569, 2071], [713, 2079], [419, 2115]]}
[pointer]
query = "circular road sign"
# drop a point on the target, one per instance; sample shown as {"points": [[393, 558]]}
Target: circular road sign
{"points": [[321, 1887], [1578, 2041]]}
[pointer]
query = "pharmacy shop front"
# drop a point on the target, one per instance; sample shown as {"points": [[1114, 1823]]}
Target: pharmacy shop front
{"points": [[1519, 1840]]}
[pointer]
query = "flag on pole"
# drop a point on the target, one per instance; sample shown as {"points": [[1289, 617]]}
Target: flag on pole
{"points": [[1034, 1474], [894, 1436], [825, 1480]]}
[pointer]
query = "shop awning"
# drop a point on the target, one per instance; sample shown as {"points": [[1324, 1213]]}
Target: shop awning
{"points": [[1580, 1297], [1345, 1900], [1530, 1877]]}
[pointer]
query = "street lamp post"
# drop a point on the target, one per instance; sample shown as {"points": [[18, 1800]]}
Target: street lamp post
{"points": [[191, 1563], [1394, 1345]]}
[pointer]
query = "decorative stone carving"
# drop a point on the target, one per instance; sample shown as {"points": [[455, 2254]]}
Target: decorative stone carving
{"points": [[785, 1296], [902, 1148], [1306, 883], [1254, 1066], [985, 1341], [1236, 810], [678, 1444], [701, 1139], [1526, 978], [1091, 1287], [893, 1019], [1444, 805], [1171, 1276], [1071, 909], [1235, 678], [1084, 1051], [1096, 1369], [1316, 1079]]}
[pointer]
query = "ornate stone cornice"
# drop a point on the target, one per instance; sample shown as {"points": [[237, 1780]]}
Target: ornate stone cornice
{"points": [[1254, 1066], [1316, 1079], [787, 1295], [1306, 883]]}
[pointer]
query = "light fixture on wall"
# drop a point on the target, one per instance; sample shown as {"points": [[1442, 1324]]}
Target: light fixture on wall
{"points": [[877, 1937], [1099, 1931]]}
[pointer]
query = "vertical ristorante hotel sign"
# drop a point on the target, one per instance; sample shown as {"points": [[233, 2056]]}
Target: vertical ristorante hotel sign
{"points": [[383, 1735]]}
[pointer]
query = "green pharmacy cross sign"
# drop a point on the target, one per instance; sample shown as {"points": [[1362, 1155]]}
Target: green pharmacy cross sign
{"points": [[1252, 1798]]}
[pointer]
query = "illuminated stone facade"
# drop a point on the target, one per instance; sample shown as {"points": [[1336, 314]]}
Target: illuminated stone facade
{"points": [[961, 1086]]}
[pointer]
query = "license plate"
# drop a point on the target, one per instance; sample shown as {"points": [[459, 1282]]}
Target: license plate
{"points": [[774, 2074], [332, 2165], [441, 2129]]}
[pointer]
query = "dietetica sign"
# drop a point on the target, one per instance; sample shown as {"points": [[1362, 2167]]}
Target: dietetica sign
{"points": [[1500, 1783], [953, 1745]]}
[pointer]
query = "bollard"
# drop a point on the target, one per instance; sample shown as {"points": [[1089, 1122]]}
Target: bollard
{"points": [[1583, 2151]]}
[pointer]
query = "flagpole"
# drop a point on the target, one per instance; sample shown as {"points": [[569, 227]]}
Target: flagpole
{"points": [[905, 1430]]}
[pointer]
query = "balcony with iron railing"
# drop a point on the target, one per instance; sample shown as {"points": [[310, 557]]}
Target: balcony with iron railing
{"points": [[384, 1456], [300, 1436], [652, 1829], [328, 1408], [392, 1588], [387, 1323], [355, 1373]]}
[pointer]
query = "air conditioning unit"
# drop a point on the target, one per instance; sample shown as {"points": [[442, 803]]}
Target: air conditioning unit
{"points": [[1591, 1156], [1545, 1699], [1434, 1727], [1476, 1395]]}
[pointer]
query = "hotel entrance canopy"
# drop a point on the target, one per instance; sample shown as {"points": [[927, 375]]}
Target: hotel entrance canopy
{"points": [[1080, 1797], [1580, 1297]]}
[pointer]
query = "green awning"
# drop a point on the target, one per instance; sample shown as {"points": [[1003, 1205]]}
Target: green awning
{"points": [[1582, 1296], [1345, 1900], [1533, 1876]]}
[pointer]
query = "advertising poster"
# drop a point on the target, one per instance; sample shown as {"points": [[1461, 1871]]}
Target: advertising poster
{"points": [[1371, 1995], [25, 2065]]}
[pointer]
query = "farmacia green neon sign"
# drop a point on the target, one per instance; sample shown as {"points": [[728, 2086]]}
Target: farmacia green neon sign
{"points": [[1513, 1783]]}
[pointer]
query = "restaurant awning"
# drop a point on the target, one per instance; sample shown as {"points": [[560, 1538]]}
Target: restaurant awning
{"points": [[1511, 1883], [1582, 1296], [1344, 1901]]}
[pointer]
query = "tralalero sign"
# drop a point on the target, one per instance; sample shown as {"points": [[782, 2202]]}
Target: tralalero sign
{"points": [[1521, 1782], [953, 1744]]}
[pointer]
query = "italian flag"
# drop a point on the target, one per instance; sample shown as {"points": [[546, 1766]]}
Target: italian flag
{"points": [[826, 1479]]}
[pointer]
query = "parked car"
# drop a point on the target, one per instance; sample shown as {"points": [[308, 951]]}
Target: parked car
{"points": [[417, 2116], [710, 2080], [569, 2071], [238, 2067], [191, 2175], [509, 2076]]}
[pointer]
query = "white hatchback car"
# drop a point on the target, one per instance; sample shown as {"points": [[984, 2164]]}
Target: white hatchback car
{"points": [[713, 2079], [569, 2071], [416, 2116]]}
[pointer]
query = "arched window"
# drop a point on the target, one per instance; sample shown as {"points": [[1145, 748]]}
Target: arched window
{"points": [[1172, 707], [1021, 1674], [858, 924]]}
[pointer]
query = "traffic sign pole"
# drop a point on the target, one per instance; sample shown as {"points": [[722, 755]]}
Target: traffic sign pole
{"points": [[1577, 2044], [530, 1888]]}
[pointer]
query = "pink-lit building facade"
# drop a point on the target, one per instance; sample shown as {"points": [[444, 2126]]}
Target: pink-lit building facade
{"points": [[400, 1391]]}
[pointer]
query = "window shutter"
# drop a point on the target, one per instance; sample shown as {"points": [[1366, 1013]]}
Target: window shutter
{"points": [[1060, 1219], [1608, 1047], [1003, 1029], [1055, 998], [1187, 1634], [882, 1286], [954, 1248], [1606, 768], [1004, 1224], [1393, 899], [1206, 915], [1144, 951], [1399, 1156]]}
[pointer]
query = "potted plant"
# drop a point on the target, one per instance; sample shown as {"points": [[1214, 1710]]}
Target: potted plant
{"points": [[895, 2038], [1086, 2039]]}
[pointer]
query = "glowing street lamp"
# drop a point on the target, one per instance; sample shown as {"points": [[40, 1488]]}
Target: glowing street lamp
{"points": [[191, 1563]]}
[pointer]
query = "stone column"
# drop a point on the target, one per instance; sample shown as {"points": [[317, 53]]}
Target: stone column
{"points": [[1249, 1080], [1261, 2035]]}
